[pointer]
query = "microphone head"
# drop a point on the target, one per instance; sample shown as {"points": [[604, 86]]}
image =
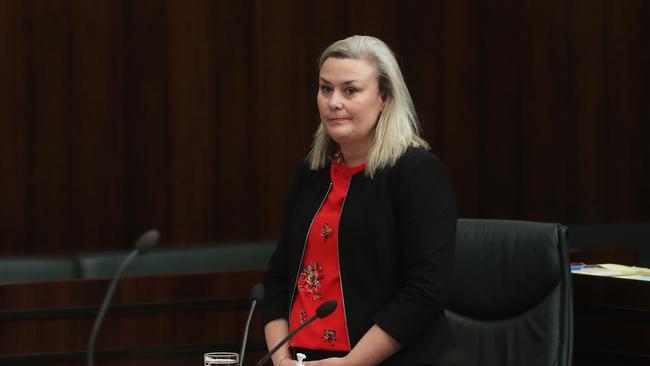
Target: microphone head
{"points": [[147, 240], [257, 292], [326, 309]]}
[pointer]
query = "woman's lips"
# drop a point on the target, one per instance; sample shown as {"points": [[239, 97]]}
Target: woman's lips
{"points": [[337, 119]]}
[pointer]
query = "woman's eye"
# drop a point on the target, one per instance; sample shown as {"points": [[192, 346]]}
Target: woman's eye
{"points": [[325, 88], [350, 91]]}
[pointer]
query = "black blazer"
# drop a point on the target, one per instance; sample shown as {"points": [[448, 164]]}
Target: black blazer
{"points": [[396, 241]]}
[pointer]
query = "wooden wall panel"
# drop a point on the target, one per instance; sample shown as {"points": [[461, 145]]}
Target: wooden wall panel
{"points": [[49, 129], [278, 56], [544, 136], [589, 117], [192, 123], [234, 31], [146, 118], [190, 116], [96, 149], [502, 124], [13, 163], [460, 102], [173, 318], [626, 100], [421, 41]]}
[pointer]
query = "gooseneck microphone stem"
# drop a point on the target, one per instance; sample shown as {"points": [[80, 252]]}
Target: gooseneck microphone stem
{"points": [[257, 294], [283, 341], [324, 310], [104, 307], [248, 322], [147, 241]]}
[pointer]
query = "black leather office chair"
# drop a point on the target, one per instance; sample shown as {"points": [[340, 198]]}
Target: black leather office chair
{"points": [[511, 303]]}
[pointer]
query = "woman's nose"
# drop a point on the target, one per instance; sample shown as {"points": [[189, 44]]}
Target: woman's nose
{"points": [[335, 102]]}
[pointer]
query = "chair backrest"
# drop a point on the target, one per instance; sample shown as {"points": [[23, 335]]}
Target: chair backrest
{"points": [[510, 301], [207, 258], [37, 268]]}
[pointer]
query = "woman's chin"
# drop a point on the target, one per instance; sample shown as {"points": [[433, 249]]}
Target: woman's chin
{"points": [[338, 134], [340, 139]]}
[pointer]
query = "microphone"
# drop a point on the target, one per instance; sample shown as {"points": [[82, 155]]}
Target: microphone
{"points": [[147, 241], [257, 293], [322, 311]]}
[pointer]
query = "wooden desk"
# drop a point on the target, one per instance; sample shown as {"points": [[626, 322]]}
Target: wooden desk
{"points": [[172, 320], [612, 321], [162, 320]]}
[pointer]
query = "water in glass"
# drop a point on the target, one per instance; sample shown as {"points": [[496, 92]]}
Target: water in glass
{"points": [[220, 358]]}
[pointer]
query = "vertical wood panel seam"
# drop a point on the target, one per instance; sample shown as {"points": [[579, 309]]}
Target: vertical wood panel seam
{"points": [[572, 189], [643, 202], [484, 155], [168, 218], [216, 106], [519, 133], [605, 135], [28, 136], [70, 156]]}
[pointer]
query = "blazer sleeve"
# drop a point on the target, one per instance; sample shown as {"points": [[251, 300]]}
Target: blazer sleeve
{"points": [[277, 286], [426, 229]]}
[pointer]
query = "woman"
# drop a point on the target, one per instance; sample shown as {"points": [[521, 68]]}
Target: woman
{"points": [[370, 223]]}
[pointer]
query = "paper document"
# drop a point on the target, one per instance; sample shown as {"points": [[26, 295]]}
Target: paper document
{"points": [[615, 270]]}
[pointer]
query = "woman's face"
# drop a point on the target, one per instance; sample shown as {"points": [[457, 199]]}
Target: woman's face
{"points": [[349, 100]]}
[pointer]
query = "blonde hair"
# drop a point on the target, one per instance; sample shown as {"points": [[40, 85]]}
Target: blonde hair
{"points": [[397, 128]]}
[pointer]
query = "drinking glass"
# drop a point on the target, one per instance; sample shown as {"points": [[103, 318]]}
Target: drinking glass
{"points": [[220, 358]]}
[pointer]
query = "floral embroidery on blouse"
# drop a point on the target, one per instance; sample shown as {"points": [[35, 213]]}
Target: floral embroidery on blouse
{"points": [[326, 233], [329, 337], [337, 158], [302, 316], [311, 278]]}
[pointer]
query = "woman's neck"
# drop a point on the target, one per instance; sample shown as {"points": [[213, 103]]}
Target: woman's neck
{"points": [[355, 155]]}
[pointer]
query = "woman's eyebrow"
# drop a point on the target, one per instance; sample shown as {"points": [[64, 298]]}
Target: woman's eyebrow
{"points": [[345, 82]]}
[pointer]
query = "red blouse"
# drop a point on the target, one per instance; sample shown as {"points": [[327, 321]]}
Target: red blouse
{"points": [[319, 279]]}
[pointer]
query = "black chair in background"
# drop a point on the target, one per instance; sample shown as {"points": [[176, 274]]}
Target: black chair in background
{"points": [[160, 261], [511, 302], [37, 268]]}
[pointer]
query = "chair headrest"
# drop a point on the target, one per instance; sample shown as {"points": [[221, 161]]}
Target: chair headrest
{"points": [[504, 267]]}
